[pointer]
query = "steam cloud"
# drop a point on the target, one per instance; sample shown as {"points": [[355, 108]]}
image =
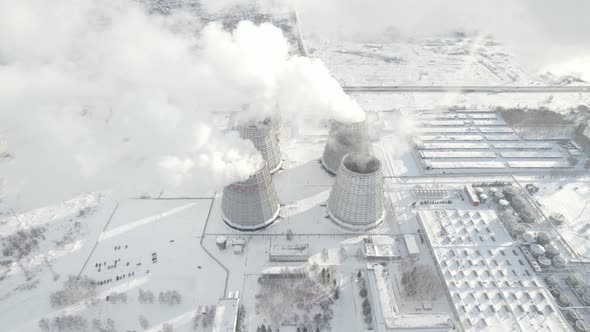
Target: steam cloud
{"points": [[99, 94]]}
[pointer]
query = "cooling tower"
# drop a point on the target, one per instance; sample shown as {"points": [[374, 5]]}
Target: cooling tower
{"points": [[252, 204], [356, 200], [263, 135], [344, 138]]}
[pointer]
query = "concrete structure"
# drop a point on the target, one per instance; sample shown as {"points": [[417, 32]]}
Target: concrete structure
{"points": [[226, 314], [252, 204], [381, 247], [263, 135], [344, 138], [412, 245], [356, 200], [471, 195], [292, 252]]}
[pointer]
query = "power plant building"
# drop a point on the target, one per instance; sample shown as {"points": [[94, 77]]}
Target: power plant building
{"points": [[264, 136], [356, 200], [344, 138], [252, 204]]}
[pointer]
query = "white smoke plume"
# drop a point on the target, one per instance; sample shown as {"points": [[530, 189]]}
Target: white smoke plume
{"points": [[100, 94]]}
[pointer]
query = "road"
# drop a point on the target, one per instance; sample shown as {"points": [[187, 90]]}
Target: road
{"points": [[471, 88]]}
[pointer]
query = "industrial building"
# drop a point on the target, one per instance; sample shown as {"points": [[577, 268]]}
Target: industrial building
{"points": [[226, 314], [292, 252], [264, 136], [252, 204], [356, 200], [344, 138]]}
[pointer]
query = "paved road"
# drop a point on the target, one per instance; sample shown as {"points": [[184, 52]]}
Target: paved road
{"points": [[471, 88]]}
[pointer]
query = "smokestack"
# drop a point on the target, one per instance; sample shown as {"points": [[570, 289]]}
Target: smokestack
{"points": [[252, 204], [264, 136], [356, 200], [344, 138]]}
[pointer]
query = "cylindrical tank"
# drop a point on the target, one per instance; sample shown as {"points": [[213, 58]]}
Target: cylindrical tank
{"points": [[551, 281], [344, 138], [564, 300], [483, 198], [356, 200], [544, 262], [537, 250], [479, 190], [528, 217], [493, 190], [559, 262], [573, 315], [252, 204], [498, 196], [581, 326], [504, 205], [221, 242], [529, 237], [543, 238], [551, 250], [510, 192], [555, 291]]}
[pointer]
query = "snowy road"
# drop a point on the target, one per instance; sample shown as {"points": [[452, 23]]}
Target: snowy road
{"points": [[470, 88]]}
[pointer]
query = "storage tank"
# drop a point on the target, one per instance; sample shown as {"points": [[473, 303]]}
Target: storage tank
{"points": [[537, 250], [551, 281], [493, 190], [529, 237], [559, 262], [356, 200], [528, 217], [504, 205], [543, 238], [498, 196], [551, 250], [479, 190], [581, 326], [510, 192], [564, 300], [221, 242], [544, 262], [573, 315], [344, 138], [483, 198], [252, 204]]}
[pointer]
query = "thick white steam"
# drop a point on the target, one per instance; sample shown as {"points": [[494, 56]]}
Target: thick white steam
{"points": [[100, 94]]}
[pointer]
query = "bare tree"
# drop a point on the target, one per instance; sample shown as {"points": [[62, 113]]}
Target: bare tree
{"points": [[167, 327], [143, 322], [324, 255]]}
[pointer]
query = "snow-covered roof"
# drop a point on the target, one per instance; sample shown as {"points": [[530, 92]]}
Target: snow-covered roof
{"points": [[226, 315]]}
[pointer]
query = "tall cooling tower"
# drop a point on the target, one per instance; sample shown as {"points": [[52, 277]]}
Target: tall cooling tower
{"points": [[344, 138], [263, 135], [356, 200], [252, 204]]}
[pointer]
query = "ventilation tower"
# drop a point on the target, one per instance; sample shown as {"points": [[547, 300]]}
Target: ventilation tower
{"points": [[356, 200], [344, 138]]}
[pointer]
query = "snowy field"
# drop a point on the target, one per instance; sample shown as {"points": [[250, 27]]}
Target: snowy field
{"points": [[457, 60]]}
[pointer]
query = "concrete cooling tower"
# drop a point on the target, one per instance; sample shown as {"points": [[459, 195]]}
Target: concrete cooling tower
{"points": [[252, 204], [263, 135], [356, 200], [344, 138]]}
